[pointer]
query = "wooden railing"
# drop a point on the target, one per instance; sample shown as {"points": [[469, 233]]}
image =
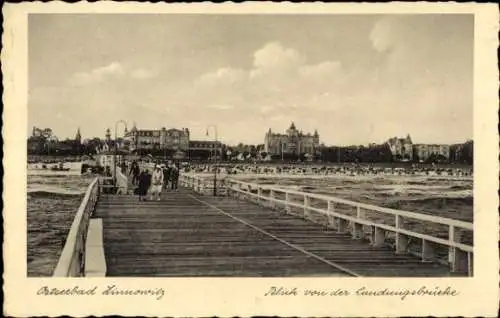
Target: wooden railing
{"points": [[203, 185], [118, 185], [379, 227], [72, 260]]}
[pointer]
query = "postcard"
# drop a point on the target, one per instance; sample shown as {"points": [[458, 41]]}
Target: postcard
{"points": [[252, 159]]}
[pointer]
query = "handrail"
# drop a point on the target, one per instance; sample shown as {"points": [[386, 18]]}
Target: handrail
{"points": [[72, 260], [403, 213], [408, 214], [459, 254]]}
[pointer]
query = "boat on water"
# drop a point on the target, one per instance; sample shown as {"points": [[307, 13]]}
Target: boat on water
{"points": [[59, 168], [55, 168]]}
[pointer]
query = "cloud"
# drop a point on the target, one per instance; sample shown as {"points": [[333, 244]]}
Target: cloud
{"points": [[275, 60], [114, 70], [280, 79], [221, 106], [142, 73], [273, 56], [267, 109], [223, 76], [382, 34], [99, 74], [321, 70]]}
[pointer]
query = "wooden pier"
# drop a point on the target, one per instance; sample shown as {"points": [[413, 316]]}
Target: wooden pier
{"points": [[188, 233]]}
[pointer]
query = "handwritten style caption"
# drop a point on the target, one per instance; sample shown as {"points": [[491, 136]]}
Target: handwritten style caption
{"points": [[363, 292], [109, 290]]}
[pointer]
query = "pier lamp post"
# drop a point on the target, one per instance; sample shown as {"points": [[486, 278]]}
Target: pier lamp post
{"points": [[116, 146], [215, 160]]}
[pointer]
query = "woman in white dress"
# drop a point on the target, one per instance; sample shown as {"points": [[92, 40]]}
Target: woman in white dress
{"points": [[156, 183]]}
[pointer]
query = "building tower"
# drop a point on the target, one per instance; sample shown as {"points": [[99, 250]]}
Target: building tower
{"points": [[78, 136], [108, 135], [267, 141]]}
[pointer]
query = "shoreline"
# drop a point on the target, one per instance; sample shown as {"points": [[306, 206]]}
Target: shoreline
{"points": [[329, 176]]}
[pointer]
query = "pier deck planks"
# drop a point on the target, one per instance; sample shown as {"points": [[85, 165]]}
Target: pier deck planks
{"points": [[181, 235]]}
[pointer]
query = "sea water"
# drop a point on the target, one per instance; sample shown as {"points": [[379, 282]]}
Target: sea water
{"points": [[53, 199]]}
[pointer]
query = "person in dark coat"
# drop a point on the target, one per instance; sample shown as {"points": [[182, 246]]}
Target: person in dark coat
{"points": [[144, 183], [174, 174], [134, 171], [166, 175]]}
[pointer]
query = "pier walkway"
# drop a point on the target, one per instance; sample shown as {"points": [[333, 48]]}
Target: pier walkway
{"points": [[188, 233]]}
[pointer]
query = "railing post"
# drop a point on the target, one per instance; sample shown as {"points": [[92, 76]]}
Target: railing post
{"points": [[470, 263], [306, 206], [331, 218], [271, 199], [198, 186], [458, 259], [259, 195], [287, 201], [401, 239], [357, 228], [237, 190], [360, 213]]}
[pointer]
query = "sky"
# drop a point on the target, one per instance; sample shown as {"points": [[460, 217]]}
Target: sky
{"points": [[357, 79]]}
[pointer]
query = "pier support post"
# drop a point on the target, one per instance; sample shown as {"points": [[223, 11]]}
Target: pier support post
{"points": [[378, 236], [357, 230], [342, 225], [427, 251], [401, 239]]}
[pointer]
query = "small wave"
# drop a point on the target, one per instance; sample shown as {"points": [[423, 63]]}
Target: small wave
{"points": [[437, 202], [306, 188], [53, 193], [421, 183], [460, 187]]}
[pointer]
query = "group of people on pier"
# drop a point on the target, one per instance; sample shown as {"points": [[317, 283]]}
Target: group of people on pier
{"points": [[163, 176]]}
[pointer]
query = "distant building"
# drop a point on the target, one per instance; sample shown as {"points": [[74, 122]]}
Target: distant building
{"points": [[425, 151], [200, 148], [156, 139], [204, 145], [107, 159], [294, 142], [45, 133], [401, 148]]}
